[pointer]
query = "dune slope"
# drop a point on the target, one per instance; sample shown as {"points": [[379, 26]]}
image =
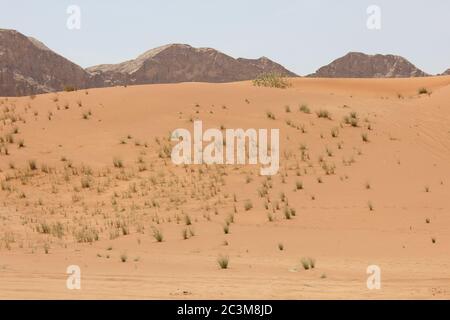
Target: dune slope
{"points": [[86, 180]]}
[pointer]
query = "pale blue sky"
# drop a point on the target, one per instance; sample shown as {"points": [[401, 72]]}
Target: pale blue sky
{"points": [[302, 35]]}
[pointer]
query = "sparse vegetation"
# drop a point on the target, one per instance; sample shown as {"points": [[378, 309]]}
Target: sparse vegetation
{"points": [[271, 80], [248, 205], [157, 234], [270, 115], [335, 132], [86, 235], [423, 90], [69, 88], [185, 234], [308, 263], [32, 164], [223, 261], [364, 137], [352, 119], [305, 109], [118, 163], [322, 113]]}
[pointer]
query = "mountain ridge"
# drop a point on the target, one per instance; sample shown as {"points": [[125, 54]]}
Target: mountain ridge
{"points": [[28, 66], [173, 63], [361, 65]]}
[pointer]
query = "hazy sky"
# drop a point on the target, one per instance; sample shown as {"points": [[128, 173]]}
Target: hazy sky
{"points": [[302, 35]]}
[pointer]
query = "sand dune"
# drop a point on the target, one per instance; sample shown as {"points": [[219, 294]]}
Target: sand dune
{"points": [[103, 184]]}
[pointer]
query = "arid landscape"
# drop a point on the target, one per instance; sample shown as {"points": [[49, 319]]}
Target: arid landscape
{"points": [[87, 180]]}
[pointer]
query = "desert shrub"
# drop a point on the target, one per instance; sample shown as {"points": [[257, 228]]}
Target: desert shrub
{"points": [[335, 132], [305, 109], [248, 205], [308, 263], [43, 227], [322, 113], [187, 220], [423, 90], [9, 138], [32, 164], [118, 163], [328, 168], [85, 182], [271, 80], [352, 119], [57, 230], [270, 115], [86, 235], [6, 186], [185, 234], [157, 234], [364, 137], [69, 88], [287, 213], [223, 262]]}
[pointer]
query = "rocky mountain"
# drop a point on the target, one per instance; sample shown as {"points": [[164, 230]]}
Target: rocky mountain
{"points": [[28, 67], [447, 72], [183, 63], [360, 65]]}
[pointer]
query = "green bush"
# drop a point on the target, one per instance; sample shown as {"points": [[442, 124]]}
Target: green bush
{"points": [[271, 80]]}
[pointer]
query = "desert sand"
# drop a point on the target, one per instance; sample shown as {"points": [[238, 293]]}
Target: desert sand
{"points": [[86, 180]]}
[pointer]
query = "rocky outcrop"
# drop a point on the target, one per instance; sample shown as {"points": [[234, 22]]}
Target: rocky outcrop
{"points": [[183, 63], [360, 65], [28, 67]]}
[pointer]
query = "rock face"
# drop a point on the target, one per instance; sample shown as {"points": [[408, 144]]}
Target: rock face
{"points": [[360, 65], [183, 63], [28, 67], [447, 72]]}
